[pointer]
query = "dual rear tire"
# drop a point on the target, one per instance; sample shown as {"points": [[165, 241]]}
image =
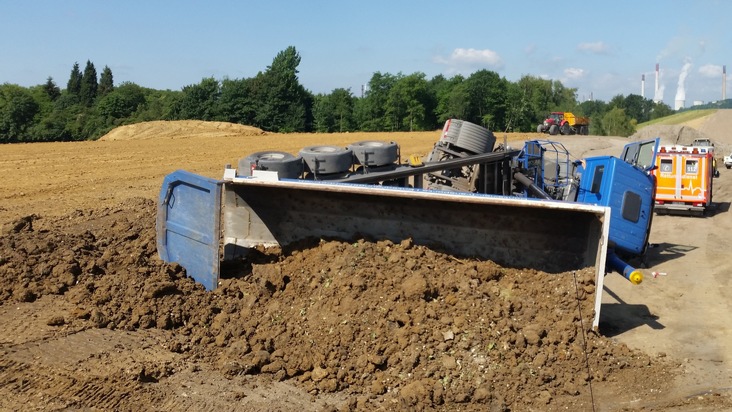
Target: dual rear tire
{"points": [[285, 164]]}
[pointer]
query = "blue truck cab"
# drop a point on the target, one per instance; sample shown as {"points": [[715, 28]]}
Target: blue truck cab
{"points": [[627, 187]]}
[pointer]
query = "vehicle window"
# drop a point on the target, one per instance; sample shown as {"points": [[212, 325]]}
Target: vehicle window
{"points": [[666, 165], [640, 154], [692, 166]]}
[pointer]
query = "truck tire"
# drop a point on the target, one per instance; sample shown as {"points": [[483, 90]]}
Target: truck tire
{"points": [[540, 129], [374, 153], [553, 130], [286, 165], [327, 159], [565, 129], [468, 136], [475, 139], [584, 130]]}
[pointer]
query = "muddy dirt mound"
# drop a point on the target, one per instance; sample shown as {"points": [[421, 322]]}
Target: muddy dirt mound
{"points": [[670, 134], [388, 325], [180, 129]]}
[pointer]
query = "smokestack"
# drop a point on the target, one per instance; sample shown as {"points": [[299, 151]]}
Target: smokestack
{"points": [[643, 86], [724, 82]]}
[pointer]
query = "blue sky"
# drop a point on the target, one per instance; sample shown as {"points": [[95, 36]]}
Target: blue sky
{"points": [[600, 48]]}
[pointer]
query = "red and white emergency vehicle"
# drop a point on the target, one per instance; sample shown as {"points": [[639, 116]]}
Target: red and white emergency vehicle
{"points": [[684, 179]]}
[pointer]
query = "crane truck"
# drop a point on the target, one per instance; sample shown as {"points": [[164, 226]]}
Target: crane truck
{"points": [[534, 207]]}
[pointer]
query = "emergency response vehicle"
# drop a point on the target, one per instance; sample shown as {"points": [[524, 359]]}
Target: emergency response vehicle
{"points": [[684, 179]]}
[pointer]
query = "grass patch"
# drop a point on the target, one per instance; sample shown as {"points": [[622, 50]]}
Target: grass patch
{"points": [[678, 118]]}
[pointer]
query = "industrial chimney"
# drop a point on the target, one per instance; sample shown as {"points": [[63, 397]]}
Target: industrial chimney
{"points": [[643, 86], [724, 82]]}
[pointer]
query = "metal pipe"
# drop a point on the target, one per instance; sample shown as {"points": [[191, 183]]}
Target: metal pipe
{"points": [[406, 171], [634, 275], [533, 188]]}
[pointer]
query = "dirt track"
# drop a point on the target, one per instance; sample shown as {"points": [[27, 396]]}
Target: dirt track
{"points": [[94, 320]]}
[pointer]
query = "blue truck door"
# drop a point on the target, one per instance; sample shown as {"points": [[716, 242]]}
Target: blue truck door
{"points": [[636, 207], [641, 154], [188, 220]]}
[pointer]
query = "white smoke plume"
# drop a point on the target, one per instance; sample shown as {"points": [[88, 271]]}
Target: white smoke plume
{"points": [[658, 93], [681, 91]]}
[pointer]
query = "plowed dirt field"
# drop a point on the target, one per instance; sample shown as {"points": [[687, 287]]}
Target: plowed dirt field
{"points": [[91, 319]]}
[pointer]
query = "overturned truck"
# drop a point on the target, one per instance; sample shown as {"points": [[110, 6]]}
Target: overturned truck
{"points": [[534, 207]]}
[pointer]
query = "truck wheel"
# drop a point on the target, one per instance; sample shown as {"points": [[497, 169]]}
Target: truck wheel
{"points": [[374, 153], [470, 137], [327, 159], [553, 130], [565, 129], [286, 165], [730, 166], [585, 130], [540, 129]]}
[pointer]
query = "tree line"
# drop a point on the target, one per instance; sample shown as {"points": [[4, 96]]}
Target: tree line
{"points": [[274, 100]]}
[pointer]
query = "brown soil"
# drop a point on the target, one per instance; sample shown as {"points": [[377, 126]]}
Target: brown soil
{"points": [[93, 320]]}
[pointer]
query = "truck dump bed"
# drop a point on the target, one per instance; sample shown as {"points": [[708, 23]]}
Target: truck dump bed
{"points": [[576, 120], [201, 219]]}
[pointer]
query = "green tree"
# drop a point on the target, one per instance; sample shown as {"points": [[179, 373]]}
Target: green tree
{"points": [[660, 110], [52, 127], [595, 110], [17, 111], [518, 109], [487, 96], [616, 123], [51, 89], [538, 96], [323, 114], [51, 119], [371, 110], [283, 103], [198, 101], [592, 108], [158, 105], [106, 82], [343, 103], [452, 99], [73, 86], [563, 98], [121, 103], [89, 85], [636, 108], [334, 112], [236, 102], [408, 103]]}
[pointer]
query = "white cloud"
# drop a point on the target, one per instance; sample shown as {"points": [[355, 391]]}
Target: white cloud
{"points": [[710, 70], [574, 73], [461, 60], [596, 47]]}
